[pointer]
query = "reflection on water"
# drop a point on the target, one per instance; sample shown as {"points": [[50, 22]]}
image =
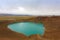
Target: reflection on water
{"points": [[27, 28]]}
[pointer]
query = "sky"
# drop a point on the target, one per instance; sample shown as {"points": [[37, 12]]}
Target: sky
{"points": [[30, 7]]}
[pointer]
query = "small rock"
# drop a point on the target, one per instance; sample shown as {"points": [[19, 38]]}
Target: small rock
{"points": [[35, 37]]}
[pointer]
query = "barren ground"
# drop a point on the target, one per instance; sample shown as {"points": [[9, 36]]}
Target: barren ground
{"points": [[52, 28]]}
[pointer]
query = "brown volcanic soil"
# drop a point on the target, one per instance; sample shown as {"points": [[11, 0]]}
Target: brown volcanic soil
{"points": [[52, 28]]}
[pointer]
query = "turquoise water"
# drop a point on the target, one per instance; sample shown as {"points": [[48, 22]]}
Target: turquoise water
{"points": [[27, 28]]}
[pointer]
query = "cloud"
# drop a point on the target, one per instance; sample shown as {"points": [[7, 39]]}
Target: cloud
{"points": [[22, 10]]}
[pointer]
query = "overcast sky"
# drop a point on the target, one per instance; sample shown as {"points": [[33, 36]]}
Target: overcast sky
{"points": [[33, 7]]}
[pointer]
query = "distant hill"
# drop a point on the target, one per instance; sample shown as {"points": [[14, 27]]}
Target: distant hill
{"points": [[14, 14]]}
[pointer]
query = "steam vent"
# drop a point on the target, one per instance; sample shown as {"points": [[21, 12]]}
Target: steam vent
{"points": [[29, 27]]}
